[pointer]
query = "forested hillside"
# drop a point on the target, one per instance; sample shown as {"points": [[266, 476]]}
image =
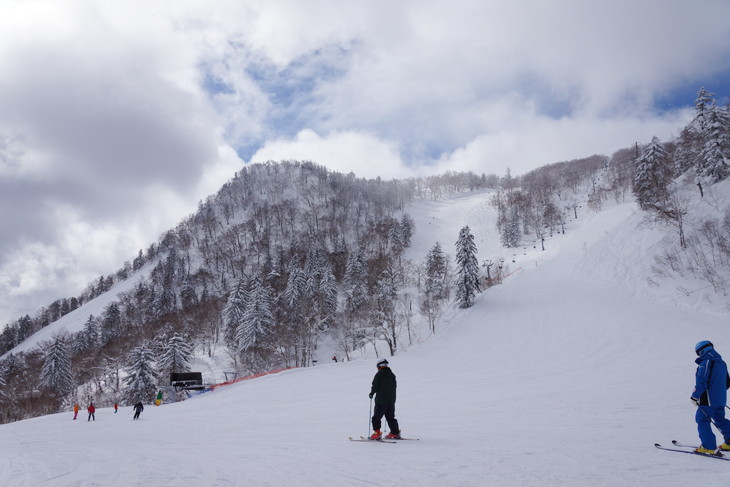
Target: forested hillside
{"points": [[287, 253]]}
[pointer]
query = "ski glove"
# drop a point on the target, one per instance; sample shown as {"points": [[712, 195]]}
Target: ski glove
{"points": [[695, 400], [371, 395]]}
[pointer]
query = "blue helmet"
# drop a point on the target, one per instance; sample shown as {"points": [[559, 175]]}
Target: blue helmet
{"points": [[703, 347]]}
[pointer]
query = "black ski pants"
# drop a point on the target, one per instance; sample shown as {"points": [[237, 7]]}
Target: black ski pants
{"points": [[387, 410]]}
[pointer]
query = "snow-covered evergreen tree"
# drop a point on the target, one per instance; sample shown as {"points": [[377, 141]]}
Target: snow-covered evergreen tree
{"points": [[141, 379], [56, 373], [188, 296], [396, 239], [176, 355], [111, 323], [138, 303], [234, 310], [408, 226], [511, 234], [88, 338], [355, 285], [436, 273], [258, 320], [713, 161], [687, 151], [703, 102], [314, 268], [165, 302], [467, 280], [296, 289], [138, 262], [653, 176]]}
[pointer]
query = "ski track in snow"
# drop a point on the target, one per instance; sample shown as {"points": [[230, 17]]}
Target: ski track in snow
{"points": [[564, 375]]}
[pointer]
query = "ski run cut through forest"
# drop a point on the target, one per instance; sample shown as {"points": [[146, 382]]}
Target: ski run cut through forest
{"points": [[566, 374]]}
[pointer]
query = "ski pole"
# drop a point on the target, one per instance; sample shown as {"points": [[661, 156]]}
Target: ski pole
{"points": [[370, 414]]}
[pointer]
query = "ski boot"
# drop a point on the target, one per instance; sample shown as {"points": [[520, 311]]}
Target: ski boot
{"points": [[393, 436], [705, 451], [377, 435]]}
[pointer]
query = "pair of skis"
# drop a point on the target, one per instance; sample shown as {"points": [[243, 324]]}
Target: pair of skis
{"points": [[382, 440], [691, 451]]}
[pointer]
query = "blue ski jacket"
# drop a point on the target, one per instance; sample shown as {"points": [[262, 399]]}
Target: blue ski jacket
{"points": [[711, 379]]}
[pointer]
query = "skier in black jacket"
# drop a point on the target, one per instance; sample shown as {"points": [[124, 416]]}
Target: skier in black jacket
{"points": [[383, 389], [138, 408]]}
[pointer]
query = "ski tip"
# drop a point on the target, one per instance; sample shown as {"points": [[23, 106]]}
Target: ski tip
{"points": [[657, 445]]}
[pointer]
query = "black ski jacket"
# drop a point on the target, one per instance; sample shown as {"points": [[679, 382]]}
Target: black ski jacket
{"points": [[384, 385]]}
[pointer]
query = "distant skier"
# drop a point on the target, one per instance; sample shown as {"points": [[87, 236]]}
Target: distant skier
{"points": [[138, 408], [91, 409], [710, 397], [76, 409], [383, 388], [116, 408]]}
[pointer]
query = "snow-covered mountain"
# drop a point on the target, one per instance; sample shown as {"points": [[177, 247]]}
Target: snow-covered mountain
{"points": [[566, 374]]}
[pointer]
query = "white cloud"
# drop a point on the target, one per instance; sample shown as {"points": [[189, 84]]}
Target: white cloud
{"points": [[362, 154], [541, 140], [126, 114]]}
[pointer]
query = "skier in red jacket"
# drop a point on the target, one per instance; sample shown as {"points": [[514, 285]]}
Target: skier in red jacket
{"points": [[91, 409]]}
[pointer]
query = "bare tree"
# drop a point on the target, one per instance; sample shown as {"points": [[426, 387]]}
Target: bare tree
{"points": [[673, 211]]}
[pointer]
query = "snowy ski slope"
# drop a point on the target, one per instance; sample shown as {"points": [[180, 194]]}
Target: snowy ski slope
{"points": [[565, 375]]}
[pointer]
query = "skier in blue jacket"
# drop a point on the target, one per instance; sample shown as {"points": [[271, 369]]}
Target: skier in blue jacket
{"points": [[710, 397]]}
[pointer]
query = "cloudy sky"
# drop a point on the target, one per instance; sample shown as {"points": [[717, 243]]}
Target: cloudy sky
{"points": [[116, 118]]}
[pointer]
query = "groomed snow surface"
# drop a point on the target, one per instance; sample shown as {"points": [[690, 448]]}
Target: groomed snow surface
{"points": [[564, 375]]}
